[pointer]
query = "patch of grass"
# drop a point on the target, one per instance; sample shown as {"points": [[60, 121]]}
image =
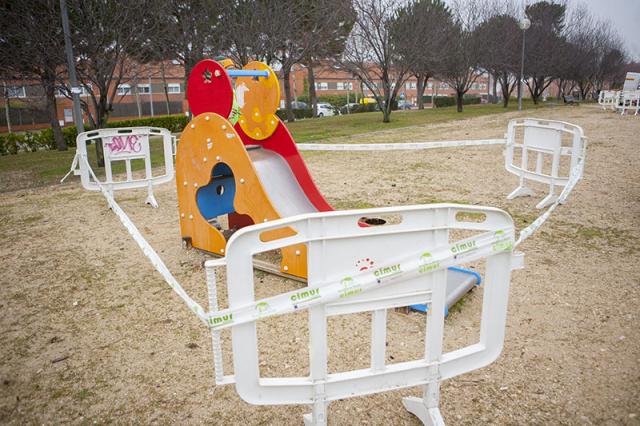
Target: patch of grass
{"points": [[458, 306], [352, 124], [441, 201], [32, 169], [83, 394], [351, 205]]}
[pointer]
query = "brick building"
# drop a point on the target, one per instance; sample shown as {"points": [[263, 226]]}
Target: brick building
{"points": [[143, 95]]}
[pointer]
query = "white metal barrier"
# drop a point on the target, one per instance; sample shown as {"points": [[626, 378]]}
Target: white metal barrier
{"points": [[126, 144], [410, 266], [629, 101], [544, 139]]}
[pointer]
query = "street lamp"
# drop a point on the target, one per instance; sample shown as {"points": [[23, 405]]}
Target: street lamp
{"points": [[524, 23]]}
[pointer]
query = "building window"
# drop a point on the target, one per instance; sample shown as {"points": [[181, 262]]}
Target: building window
{"points": [[123, 89], [144, 88], [68, 115], [339, 85], [349, 85], [173, 88], [16, 92], [429, 85], [323, 86]]}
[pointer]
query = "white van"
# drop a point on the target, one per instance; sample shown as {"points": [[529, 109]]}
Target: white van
{"points": [[326, 110]]}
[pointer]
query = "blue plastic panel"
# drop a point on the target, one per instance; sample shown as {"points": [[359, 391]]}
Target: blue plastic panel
{"points": [[216, 198]]}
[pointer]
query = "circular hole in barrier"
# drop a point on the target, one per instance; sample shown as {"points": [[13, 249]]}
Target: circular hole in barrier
{"points": [[365, 222], [220, 190]]}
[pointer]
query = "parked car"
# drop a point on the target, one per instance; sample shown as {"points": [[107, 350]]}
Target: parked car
{"points": [[299, 105], [327, 110], [349, 108], [404, 104]]}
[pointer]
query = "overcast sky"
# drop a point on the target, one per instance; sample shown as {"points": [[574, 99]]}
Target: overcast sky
{"points": [[623, 14], [625, 17]]}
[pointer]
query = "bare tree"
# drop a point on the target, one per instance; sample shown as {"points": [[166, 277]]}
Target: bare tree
{"points": [[372, 53], [32, 48], [429, 23], [461, 68], [324, 33], [499, 43], [546, 47]]}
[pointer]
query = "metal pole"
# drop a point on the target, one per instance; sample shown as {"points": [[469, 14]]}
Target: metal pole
{"points": [[75, 89], [150, 95], [6, 108], [521, 73]]}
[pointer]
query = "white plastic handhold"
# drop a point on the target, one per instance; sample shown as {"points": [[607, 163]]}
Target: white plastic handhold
{"points": [[217, 158], [265, 220], [191, 216], [204, 160], [181, 214], [193, 126], [195, 184], [224, 127], [297, 252], [221, 250], [184, 183], [207, 118], [217, 73], [241, 180], [285, 267]]}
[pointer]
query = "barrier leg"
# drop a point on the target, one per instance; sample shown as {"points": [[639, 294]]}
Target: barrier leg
{"points": [[318, 365], [151, 200], [521, 191], [549, 199], [210, 273], [426, 408], [74, 168]]}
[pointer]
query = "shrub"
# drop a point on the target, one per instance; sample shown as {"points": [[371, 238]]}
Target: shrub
{"points": [[298, 113], [12, 143], [447, 101], [3, 146]]}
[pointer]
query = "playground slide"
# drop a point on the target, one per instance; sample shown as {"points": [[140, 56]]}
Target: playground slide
{"points": [[249, 170], [280, 183]]}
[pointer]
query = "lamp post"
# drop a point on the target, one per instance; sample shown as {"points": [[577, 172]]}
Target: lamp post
{"points": [[524, 23]]}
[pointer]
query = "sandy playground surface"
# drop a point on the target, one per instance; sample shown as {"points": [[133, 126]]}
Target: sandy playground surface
{"points": [[90, 333]]}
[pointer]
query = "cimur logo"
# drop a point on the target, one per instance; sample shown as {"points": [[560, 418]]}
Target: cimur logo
{"points": [[349, 288], [460, 248], [305, 296], [220, 320], [427, 264], [386, 271]]}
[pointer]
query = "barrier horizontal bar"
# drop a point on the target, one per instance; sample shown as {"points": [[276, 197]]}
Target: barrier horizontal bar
{"points": [[247, 73]]}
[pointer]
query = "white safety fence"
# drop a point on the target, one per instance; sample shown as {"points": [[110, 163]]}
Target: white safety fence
{"points": [[125, 145], [544, 139], [410, 275], [413, 257], [620, 100]]}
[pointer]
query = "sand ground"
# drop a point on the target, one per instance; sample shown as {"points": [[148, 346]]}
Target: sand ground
{"points": [[90, 333]]}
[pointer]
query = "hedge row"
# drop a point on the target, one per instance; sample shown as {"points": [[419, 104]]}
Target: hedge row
{"points": [[447, 101], [34, 141]]}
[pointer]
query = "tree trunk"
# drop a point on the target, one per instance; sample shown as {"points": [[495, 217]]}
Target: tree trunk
{"points": [[386, 113], [504, 86], [286, 72], [422, 84], [166, 90], [313, 97], [53, 116], [495, 88], [459, 97]]}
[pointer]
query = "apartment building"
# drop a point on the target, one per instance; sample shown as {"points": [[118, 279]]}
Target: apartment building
{"points": [[139, 95], [143, 94]]}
